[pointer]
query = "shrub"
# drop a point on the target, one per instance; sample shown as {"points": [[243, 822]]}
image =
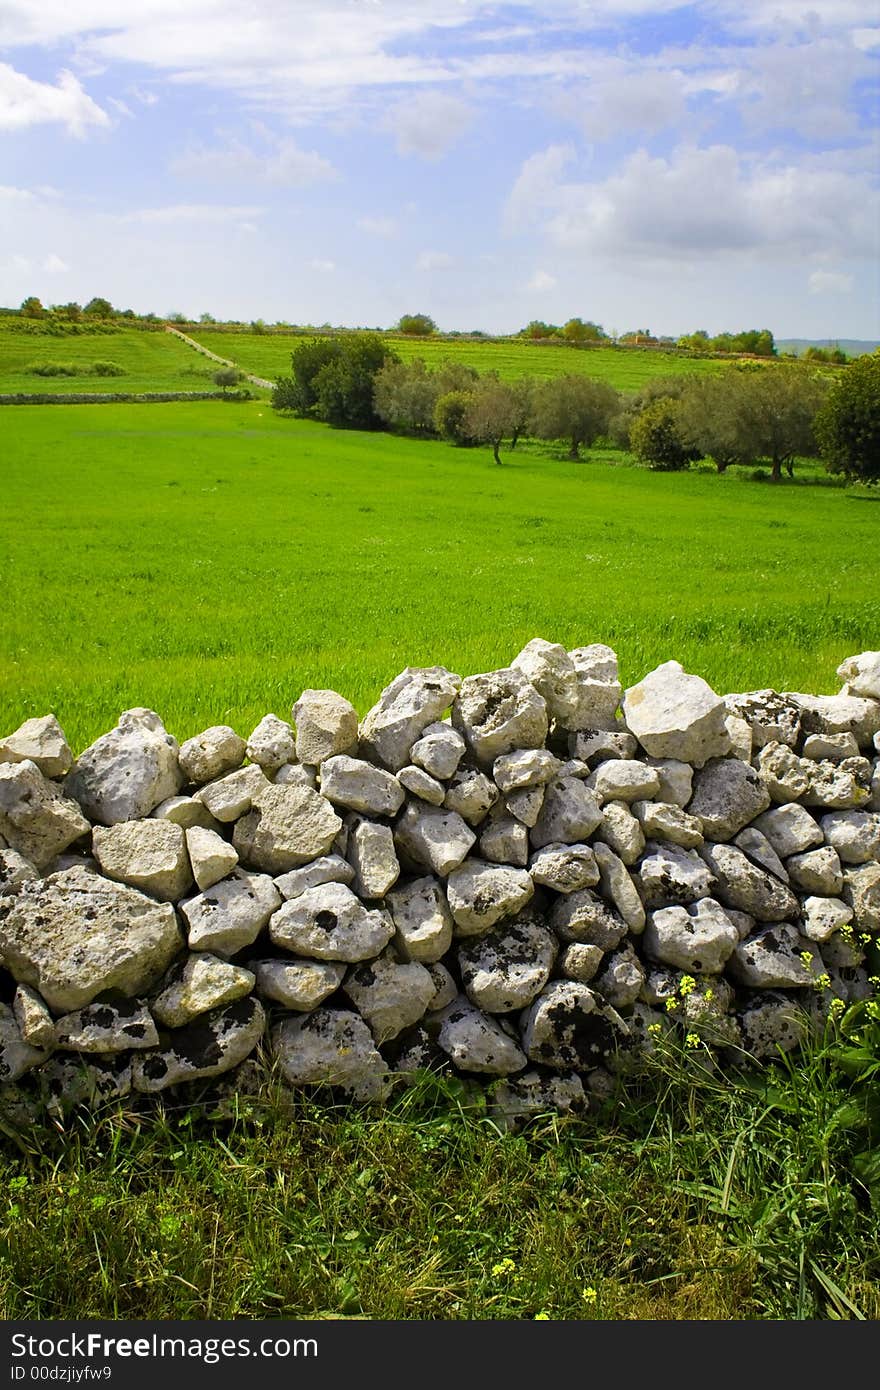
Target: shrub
{"points": [[656, 439], [848, 424], [107, 369], [450, 415]]}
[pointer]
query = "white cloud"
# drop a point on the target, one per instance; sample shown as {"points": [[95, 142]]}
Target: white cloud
{"points": [[323, 267], [24, 102], [54, 265], [866, 39], [830, 282], [120, 106], [536, 185], [435, 260], [542, 280], [192, 212], [429, 124], [283, 163], [384, 227], [630, 97]]}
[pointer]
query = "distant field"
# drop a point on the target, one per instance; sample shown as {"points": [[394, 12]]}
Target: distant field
{"points": [[268, 355], [150, 361], [210, 561]]}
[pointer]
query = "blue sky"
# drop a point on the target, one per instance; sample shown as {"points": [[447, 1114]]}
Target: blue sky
{"points": [[640, 163]]}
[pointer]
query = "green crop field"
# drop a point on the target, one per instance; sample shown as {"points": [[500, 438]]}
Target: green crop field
{"points": [[149, 361], [210, 561], [268, 355]]}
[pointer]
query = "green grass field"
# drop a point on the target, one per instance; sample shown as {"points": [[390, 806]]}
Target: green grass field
{"points": [[150, 361], [626, 369], [210, 561]]}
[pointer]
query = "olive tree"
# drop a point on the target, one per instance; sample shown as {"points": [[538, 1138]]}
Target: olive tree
{"points": [[573, 407], [848, 423]]}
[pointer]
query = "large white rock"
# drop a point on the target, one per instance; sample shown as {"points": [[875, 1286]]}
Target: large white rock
{"points": [[148, 854], [272, 744], [125, 773], [231, 795], [790, 829], [839, 714], [231, 914], [391, 995], [598, 688], [743, 885], [475, 1042], [552, 672], [676, 780], [816, 871], [203, 982], [728, 794], [330, 923], [624, 779], [526, 767], [211, 754], [36, 819], [432, 837], [16, 1055], [106, 1028], [422, 919], [332, 1047], [854, 834], [774, 958], [569, 814], [499, 711], [771, 717], [676, 715], [861, 675], [822, 917], [326, 724], [286, 826], [210, 856], [505, 969], [414, 700], [663, 820], [481, 894], [439, 750], [104, 936], [40, 741], [564, 868], [357, 785], [330, 868], [214, 1043], [300, 985], [371, 854], [568, 1026], [698, 938]]}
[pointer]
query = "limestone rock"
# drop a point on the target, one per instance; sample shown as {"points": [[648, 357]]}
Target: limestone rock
{"points": [[231, 914], [854, 834], [531, 1093], [285, 828], [839, 786], [771, 959], [617, 885], [740, 737], [839, 714], [105, 936], [391, 996], [148, 854], [862, 675], [15, 870], [505, 969], [16, 1055], [728, 794], [35, 1023], [772, 718], [621, 978], [40, 741], [668, 875], [505, 840], [526, 805], [445, 988], [185, 811], [568, 1027], [475, 1042], [663, 820], [371, 854], [204, 982], [771, 1024], [525, 767], [676, 715], [621, 832], [569, 815], [329, 923], [332, 1047], [439, 751], [359, 786], [817, 871], [564, 868], [210, 856], [300, 985], [584, 917], [822, 917], [624, 779], [698, 938], [214, 1043], [433, 838], [595, 746], [326, 725], [211, 754], [676, 780], [272, 744], [330, 868], [231, 796], [759, 848], [71, 1079], [741, 884], [598, 688], [790, 830], [104, 1028], [36, 819], [414, 700], [830, 747], [125, 773], [296, 774], [580, 961], [552, 672], [472, 794], [481, 894], [422, 784], [498, 712], [422, 919], [861, 889]]}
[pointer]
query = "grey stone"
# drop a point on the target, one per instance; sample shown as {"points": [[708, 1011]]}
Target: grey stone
{"points": [[676, 780], [231, 796], [676, 715], [552, 672], [422, 919], [822, 917], [580, 961], [861, 675], [831, 747], [326, 725], [71, 1079], [784, 774], [524, 768], [584, 917], [728, 794], [481, 894], [215, 1043], [202, 983], [35, 1023], [231, 914], [564, 868], [569, 1027], [36, 819], [618, 886], [272, 744], [621, 832], [296, 774], [285, 828], [741, 884], [740, 732], [433, 838], [759, 848], [185, 811], [359, 786], [106, 1028], [439, 750], [329, 923], [390, 995], [854, 834], [598, 688], [839, 786], [475, 1042], [772, 718], [445, 988], [529, 1094], [505, 840], [371, 854], [105, 936], [624, 779], [300, 985], [498, 712], [861, 889], [663, 820], [125, 773], [211, 754], [505, 969], [414, 700], [472, 794], [210, 856], [839, 714], [330, 868], [771, 959], [16, 1055], [595, 746], [772, 1024], [40, 741], [668, 874], [698, 938], [15, 870], [621, 978], [817, 871], [526, 805], [148, 854], [422, 784], [790, 830], [569, 815]]}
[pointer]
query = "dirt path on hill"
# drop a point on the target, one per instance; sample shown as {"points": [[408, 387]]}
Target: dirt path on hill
{"points": [[224, 361]]}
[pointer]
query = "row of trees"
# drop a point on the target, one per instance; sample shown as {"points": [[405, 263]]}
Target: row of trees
{"points": [[756, 342], [739, 416]]}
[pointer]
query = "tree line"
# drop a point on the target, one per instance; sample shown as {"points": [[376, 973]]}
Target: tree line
{"points": [[742, 415]]}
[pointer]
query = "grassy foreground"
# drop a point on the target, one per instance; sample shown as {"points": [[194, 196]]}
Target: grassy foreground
{"points": [[212, 560]]}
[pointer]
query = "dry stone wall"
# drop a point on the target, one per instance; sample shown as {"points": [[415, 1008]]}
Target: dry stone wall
{"points": [[532, 892]]}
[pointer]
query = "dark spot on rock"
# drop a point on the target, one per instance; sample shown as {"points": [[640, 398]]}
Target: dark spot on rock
{"points": [[364, 976], [155, 1067], [99, 1016], [135, 1030], [326, 921]]}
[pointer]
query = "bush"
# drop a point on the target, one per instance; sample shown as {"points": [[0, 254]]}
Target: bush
{"points": [[417, 325], [848, 424], [107, 369], [55, 369], [656, 439], [450, 416]]}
